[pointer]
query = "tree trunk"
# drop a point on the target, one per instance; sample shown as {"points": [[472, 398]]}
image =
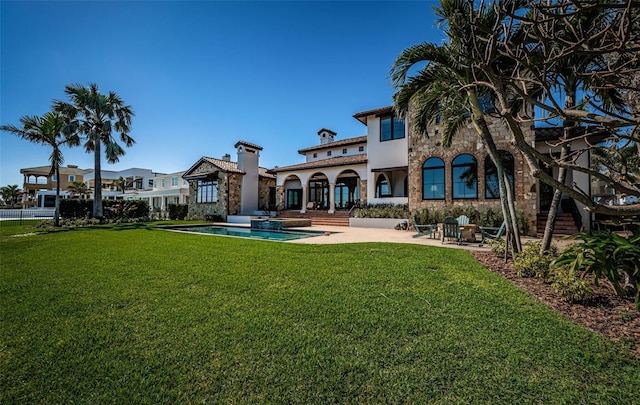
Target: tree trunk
{"points": [[555, 201], [97, 179], [506, 193], [56, 215]]}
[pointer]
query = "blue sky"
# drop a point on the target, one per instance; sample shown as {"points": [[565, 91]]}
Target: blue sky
{"points": [[202, 75]]}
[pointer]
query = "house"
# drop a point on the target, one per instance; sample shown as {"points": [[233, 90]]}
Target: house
{"points": [[337, 174], [393, 164], [116, 182], [219, 188], [165, 189], [39, 185]]}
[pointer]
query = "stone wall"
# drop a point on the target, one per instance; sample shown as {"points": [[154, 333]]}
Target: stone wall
{"points": [[467, 141], [264, 185]]}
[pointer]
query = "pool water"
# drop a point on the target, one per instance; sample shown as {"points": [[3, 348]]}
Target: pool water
{"points": [[254, 233]]}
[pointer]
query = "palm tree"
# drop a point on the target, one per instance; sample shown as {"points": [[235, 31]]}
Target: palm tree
{"points": [[446, 90], [10, 194], [79, 187], [54, 130], [98, 117]]}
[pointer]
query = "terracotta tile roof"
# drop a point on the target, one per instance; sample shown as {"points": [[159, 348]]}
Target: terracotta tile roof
{"points": [[337, 161], [331, 145], [249, 144], [227, 167], [361, 116]]}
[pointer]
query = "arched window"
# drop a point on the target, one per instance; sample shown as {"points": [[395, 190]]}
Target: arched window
{"points": [[433, 179], [465, 177], [382, 187], [491, 189]]}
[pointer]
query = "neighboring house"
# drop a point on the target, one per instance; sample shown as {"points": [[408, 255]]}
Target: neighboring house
{"points": [[219, 188], [134, 179], [165, 189], [340, 173], [39, 186]]}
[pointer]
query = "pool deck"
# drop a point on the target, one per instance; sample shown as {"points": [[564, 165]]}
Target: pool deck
{"points": [[342, 234]]}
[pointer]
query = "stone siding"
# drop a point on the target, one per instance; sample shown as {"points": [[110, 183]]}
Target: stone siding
{"points": [[264, 185], [467, 141]]}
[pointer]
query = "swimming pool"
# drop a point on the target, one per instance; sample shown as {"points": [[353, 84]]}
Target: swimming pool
{"points": [[241, 232]]}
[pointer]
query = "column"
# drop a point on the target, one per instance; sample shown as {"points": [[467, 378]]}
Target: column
{"points": [[305, 198], [332, 198]]}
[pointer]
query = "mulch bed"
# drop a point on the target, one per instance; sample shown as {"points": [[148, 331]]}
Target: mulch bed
{"points": [[606, 313]]}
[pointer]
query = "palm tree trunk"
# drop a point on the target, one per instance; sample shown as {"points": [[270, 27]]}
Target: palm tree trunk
{"points": [[97, 179], [56, 215], [555, 201]]}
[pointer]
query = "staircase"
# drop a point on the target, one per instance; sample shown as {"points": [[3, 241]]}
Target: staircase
{"points": [[338, 218], [565, 225]]}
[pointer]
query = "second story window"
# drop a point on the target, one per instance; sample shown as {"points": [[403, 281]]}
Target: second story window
{"points": [[344, 151], [72, 178], [391, 128], [360, 148], [174, 181], [163, 183], [329, 153], [315, 155]]}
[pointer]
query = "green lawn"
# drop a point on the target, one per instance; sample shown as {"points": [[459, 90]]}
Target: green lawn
{"points": [[150, 316]]}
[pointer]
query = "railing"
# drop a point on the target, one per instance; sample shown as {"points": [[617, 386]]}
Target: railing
{"points": [[28, 214]]}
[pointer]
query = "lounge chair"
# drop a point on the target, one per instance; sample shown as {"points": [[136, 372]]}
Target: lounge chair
{"points": [[491, 232], [463, 220], [426, 229], [451, 230]]}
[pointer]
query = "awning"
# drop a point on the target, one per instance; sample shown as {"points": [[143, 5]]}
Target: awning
{"points": [[390, 169]]}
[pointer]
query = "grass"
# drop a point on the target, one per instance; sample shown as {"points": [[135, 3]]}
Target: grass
{"points": [[147, 316]]}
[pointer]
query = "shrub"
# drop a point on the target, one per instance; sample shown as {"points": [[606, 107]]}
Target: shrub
{"points": [[607, 255], [489, 217], [529, 262], [127, 211], [497, 246], [178, 211], [569, 286], [382, 211], [75, 209]]}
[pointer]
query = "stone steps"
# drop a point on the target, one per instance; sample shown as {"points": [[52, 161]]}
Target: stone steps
{"points": [[338, 218], [565, 225]]}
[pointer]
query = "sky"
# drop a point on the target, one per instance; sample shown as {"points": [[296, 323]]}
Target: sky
{"points": [[202, 75]]}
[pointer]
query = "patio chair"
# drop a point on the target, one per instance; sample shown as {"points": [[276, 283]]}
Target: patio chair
{"points": [[311, 205], [491, 232], [426, 229], [451, 230], [463, 220]]}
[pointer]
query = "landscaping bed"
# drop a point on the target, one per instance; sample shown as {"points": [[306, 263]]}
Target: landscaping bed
{"points": [[606, 313]]}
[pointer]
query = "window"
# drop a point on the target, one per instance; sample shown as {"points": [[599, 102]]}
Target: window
{"points": [[329, 153], [382, 187], [344, 151], [491, 188], [465, 177], [391, 128], [154, 182], [315, 155], [72, 178], [54, 177], [433, 179], [174, 181], [207, 191], [163, 181], [360, 148]]}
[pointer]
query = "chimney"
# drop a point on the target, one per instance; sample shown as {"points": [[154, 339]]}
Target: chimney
{"points": [[248, 156], [226, 157], [326, 136]]}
